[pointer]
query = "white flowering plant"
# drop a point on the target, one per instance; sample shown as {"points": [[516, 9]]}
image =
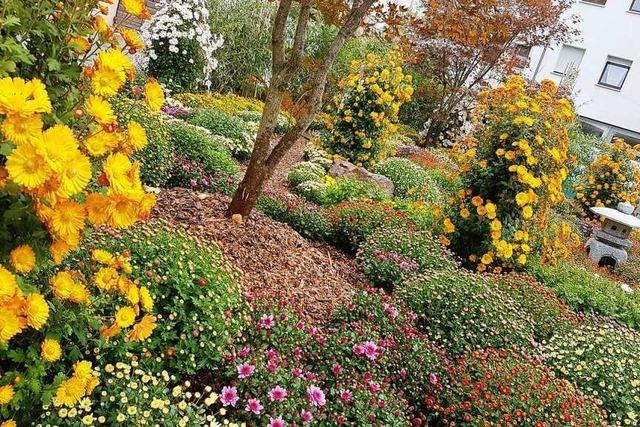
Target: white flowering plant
{"points": [[131, 396], [180, 45]]}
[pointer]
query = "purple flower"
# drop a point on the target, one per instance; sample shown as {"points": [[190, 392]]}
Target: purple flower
{"points": [[306, 416], [253, 405], [316, 396], [245, 370], [276, 422], [266, 322], [277, 394], [345, 396], [229, 396]]}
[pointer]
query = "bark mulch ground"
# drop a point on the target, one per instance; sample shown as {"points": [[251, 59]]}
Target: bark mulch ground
{"points": [[277, 264]]}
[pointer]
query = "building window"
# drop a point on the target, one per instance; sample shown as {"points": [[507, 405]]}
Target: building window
{"points": [[569, 59], [615, 72], [635, 6], [598, 2]]}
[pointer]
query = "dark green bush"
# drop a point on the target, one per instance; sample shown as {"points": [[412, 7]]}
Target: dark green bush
{"points": [[195, 144], [172, 69], [223, 124], [465, 311], [589, 293], [310, 222], [393, 254], [156, 158]]}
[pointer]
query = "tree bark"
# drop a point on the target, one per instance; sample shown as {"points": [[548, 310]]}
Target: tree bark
{"points": [[264, 158]]}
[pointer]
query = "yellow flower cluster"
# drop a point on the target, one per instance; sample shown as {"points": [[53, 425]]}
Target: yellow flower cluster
{"points": [[514, 166], [366, 110], [81, 384], [54, 167], [611, 178], [561, 243]]}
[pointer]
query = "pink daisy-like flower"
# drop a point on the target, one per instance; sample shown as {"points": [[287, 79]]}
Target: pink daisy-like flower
{"points": [[276, 422], [244, 352], [229, 396], [266, 322], [371, 350], [277, 394], [345, 396], [245, 370], [336, 369], [390, 310], [316, 396], [254, 405], [374, 387], [433, 378], [306, 416]]}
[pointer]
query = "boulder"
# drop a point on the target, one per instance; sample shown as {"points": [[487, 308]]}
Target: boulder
{"points": [[343, 168]]}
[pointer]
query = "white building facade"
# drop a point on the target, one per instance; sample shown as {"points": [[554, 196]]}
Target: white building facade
{"points": [[602, 66]]}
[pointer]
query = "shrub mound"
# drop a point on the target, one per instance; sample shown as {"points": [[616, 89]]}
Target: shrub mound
{"points": [[197, 300], [305, 171], [603, 361], [409, 179], [498, 387], [223, 124], [195, 144], [393, 254], [464, 312]]}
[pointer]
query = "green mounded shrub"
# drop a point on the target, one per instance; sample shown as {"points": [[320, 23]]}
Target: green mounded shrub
{"points": [[305, 171], [315, 154], [283, 124], [409, 179], [393, 254], [313, 191], [194, 143], [503, 388], [411, 361], [548, 311], [309, 221], [223, 124], [421, 215], [347, 188], [354, 221], [601, 359], [197, 300], [587, 292], [463, 311], [156, 158]]}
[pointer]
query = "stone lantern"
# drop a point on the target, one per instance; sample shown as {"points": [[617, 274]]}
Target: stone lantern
{"points": [[608, 246]]}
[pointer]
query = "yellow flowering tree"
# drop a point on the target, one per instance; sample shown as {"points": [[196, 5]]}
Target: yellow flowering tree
{"points": [[513, 167], [64, 164], [366, 109], [613, 177]]}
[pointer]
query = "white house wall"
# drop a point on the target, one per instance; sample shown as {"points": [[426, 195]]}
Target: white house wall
{"points": [[610, 30]]}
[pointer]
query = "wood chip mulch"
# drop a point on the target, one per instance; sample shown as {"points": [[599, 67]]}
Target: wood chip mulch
{"points": [[277, 264]]}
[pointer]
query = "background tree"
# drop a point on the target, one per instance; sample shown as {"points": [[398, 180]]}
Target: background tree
{"points": [[287, 60], [463, 43]]}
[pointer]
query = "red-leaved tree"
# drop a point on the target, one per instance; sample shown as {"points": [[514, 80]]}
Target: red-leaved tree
{"points": [[461, 44]]}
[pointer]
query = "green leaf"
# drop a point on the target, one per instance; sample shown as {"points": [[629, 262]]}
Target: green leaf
{"points": [[53, 64], [5, 147]]}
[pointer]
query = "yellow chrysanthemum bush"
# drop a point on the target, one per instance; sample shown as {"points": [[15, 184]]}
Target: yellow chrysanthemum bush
{"points": [[513, 168], [64, 165], [366, 109], [613, 177]]}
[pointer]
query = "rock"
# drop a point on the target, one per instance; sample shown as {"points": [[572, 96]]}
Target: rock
{"points": [[343, 168]]}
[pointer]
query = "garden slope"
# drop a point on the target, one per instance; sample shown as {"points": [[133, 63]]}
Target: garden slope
{"points": [[277, 263]]}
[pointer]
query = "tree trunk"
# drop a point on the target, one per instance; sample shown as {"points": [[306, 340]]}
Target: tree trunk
{"points": [[249, 190]]}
